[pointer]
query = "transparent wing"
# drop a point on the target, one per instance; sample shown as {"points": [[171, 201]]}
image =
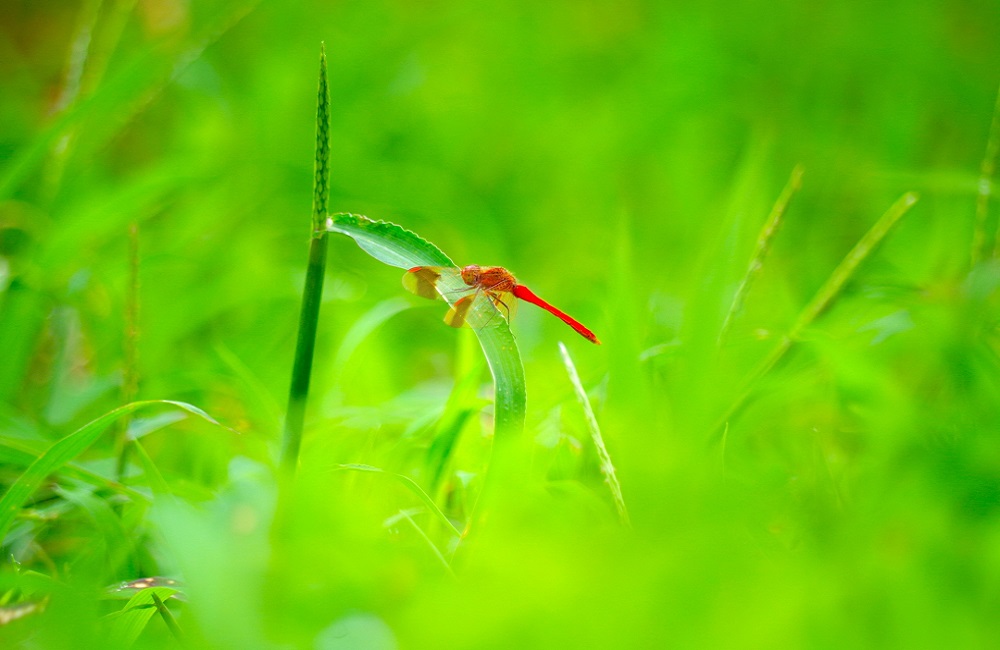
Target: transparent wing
{"points": [[430, 281], [477, 312], [460, 312], [505, 302], [470, 306]]}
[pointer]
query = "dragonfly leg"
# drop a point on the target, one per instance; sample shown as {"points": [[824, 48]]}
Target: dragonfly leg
{"points": [[501, 305]]}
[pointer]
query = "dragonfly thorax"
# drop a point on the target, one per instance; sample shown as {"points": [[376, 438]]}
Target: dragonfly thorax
{"points": [[488, 278]]}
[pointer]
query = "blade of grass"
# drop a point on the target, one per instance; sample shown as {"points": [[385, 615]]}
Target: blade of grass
{"points": [[154, 478], [76, 61], [15, 451], [767, 232], [67, 449], [607, 467], [119, 98], [312, 294], [363, 327], [132, 619], [821, 301], [985, 190], [168, 618], [114, 545], [130, 379], [412, 485], [463, 404], [434, 549]]}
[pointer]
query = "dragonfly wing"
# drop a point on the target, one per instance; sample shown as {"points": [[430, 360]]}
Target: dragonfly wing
{"points": [[505, 302], [475, 310], [426, 281], [458, 315], [471, 306]]}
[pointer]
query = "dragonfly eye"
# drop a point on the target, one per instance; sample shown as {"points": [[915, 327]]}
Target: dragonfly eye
{"points": [[471, 275]]}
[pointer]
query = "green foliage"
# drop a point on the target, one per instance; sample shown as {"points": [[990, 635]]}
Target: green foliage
{"points": [[64, 451], [802, 420], [129, 623]]}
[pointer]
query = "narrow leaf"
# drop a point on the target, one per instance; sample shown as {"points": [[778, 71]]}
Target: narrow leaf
{"points": [[764, 239], [312, 293], [67, 449], [410, 484], [607, 467], [133, 618], [987, 169], [822, 300]]}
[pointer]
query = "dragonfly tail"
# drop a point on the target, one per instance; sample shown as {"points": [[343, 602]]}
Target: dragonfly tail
{"points": [[526, 294]]}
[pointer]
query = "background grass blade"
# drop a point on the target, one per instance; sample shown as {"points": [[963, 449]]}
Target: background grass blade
{"points": [[411, 485], [363, 328], [822, 300], [980, 236], [133, 618], [67, 449], [764, 239], [829, 291], [607, 467]]}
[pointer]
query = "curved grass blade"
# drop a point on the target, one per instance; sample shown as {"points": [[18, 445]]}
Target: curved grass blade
{"points": [[412, 485], [66, 450], [387, 242], [394, 245], [363, 327], [427, 540], [17, 453]]}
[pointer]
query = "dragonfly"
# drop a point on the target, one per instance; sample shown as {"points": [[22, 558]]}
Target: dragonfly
{"points": [[472, 289]]}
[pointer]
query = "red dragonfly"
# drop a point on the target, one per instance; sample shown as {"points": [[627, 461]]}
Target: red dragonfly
{"points": [[480, 285]]}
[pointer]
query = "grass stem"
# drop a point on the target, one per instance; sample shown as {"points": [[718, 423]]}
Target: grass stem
{"points": [[130, 373], [313, 292]]}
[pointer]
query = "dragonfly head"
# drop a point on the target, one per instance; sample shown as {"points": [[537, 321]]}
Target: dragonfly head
{"points": [[471, 274]]}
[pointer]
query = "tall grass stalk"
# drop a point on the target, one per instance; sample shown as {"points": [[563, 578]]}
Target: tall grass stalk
{"points": [[980, 243], [70, 88], [767, 232], [312, 294], [986, 172], [821, 301], [130, 373], [607, 467]]}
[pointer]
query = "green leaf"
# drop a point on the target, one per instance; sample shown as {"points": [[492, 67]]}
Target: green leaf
{"points": [[133, 618], [393, 245], [66, 450], [387, 242]]}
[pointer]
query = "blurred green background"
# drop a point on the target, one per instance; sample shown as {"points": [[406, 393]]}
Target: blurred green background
{"points": [[619, 157]]}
